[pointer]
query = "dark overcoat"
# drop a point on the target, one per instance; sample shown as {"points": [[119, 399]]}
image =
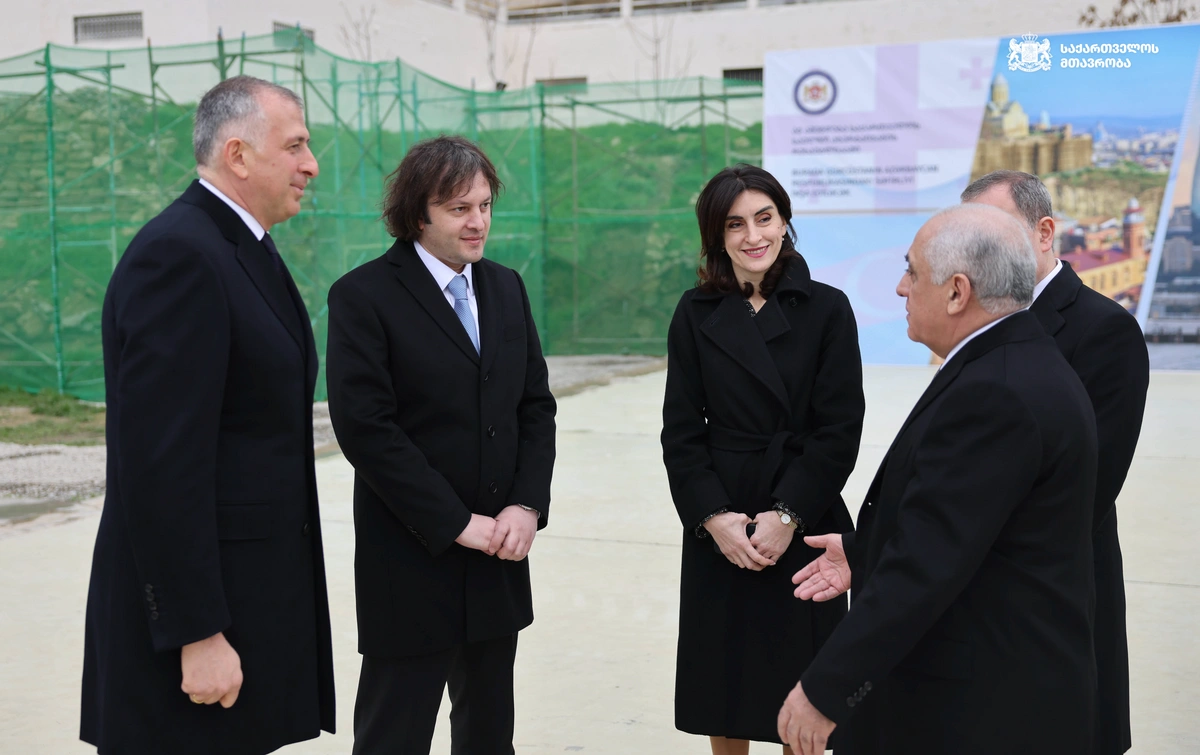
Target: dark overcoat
{"points": [[1106, 348], [757, 409], [970, 625], [436, 432], [210, 519]]}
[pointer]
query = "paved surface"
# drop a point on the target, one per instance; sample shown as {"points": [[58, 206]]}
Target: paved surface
{"points": [[595, 671], [47, 484]]}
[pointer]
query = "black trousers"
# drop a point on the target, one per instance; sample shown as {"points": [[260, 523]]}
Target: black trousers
{"points": [[398, 700]]}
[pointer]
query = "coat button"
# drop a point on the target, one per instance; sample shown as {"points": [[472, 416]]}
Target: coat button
{"points": [[304, 529], [491, 431], [493, 487], [792, 301], [149, 589], [153, 606], [486, 375], [850, 701], [867, 686], [154, 614]]}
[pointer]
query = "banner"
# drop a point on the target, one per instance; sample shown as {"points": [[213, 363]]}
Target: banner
{"points": [[871, 141]]}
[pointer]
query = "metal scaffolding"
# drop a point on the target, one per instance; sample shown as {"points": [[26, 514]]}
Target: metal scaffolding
{"points": [[596, 216]]}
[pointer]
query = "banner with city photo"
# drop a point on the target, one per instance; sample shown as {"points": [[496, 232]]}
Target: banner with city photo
{"points": [[871, 141]]}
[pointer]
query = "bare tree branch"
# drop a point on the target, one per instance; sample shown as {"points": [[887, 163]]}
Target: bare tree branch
{"points": [[1138, 12], [358, 30]]}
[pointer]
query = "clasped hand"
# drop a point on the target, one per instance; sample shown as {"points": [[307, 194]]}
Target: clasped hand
{"points": [[508, 536], [770, 540]]}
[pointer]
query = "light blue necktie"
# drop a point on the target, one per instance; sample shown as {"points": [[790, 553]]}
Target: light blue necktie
{"points": [[458, 289]]}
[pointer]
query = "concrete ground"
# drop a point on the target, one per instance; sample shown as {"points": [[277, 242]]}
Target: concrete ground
{"points": [[595, 671]]}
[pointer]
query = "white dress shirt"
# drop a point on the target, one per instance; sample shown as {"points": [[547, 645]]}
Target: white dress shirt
{"points": [[1041, 286], [443, 274], [254, 226], [958, 347]]}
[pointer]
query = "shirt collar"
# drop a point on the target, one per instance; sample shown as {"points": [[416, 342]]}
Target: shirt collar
{"points": [[441, 272], [959, 346], [254, 226], [1041, 285]]}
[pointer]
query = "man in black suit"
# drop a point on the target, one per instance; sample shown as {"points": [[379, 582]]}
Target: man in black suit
{"points": [[969, 630], [208, 584], [439, 396], [1104, 345]]}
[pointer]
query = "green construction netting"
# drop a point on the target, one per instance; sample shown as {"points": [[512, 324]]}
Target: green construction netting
{"points": [[597, 214]]}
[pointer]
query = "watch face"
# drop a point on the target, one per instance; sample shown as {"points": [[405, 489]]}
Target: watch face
{"points": [[785, 519]]}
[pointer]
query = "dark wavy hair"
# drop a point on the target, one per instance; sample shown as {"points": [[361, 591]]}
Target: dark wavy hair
{"points": [[433, 171], [712, 210]]}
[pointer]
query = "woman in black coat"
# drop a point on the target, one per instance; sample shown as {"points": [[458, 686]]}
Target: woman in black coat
{"points": [[761, 424]]}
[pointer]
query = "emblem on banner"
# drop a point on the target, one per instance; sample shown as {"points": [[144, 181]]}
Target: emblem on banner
{"points": [[1029, 54], [815, 92]]}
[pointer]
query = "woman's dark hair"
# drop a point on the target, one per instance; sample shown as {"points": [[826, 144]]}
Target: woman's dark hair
{"points": [[433, 171], [712, 210]]}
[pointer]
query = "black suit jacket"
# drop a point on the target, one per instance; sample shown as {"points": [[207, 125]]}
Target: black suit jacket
{"points": [[436, 432], [210, 519], [1106, 348], [969, 628]]}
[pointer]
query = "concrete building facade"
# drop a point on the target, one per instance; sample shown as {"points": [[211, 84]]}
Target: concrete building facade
{"points": [[481, 42]]}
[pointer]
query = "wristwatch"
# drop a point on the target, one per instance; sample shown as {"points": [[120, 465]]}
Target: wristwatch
{"points": [[788, 517]]}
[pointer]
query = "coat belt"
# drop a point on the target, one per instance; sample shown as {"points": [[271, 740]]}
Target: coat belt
{"points": [[772, 446]]}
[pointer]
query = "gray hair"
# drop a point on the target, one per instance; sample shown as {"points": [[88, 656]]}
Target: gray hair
{"points": [[1027, 191], [991, 248], [233, 104]]}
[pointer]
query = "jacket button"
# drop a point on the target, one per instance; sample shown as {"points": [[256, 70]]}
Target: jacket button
{"points": [[304, 529], [153, 606], [493, 487], [792, 301], [867, 686], [486, 376], [491, 431], [149, 589], [850, 701], [154, 614]]}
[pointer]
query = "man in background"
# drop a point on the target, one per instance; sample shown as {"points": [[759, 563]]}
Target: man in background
{"points": [[1106, 348]]}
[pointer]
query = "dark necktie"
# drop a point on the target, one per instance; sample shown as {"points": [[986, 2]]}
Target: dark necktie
{"points": [[276, 260], [281, 269]]}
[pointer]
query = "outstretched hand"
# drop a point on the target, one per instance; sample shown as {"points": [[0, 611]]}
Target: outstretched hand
{"points": [[826, 576]]}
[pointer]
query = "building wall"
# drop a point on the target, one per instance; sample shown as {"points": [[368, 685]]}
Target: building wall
{"points": [[418, 32], [451, 44], [705, 43], [1114, 278], [1177, 254], [1039, 154]]}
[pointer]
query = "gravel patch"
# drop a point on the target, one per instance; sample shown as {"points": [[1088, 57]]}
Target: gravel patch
{"points": [[50, 472], [53, 483]]}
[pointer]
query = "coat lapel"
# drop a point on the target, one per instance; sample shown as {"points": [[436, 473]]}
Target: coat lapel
{"points": [[732, 330], [1059, 295], [487, 296], [255, 260], [252, 256], [415, 277], [312, 362]]}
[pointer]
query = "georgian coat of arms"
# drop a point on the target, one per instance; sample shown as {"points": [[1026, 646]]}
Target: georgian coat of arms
{"points": [[1029, 54]]}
